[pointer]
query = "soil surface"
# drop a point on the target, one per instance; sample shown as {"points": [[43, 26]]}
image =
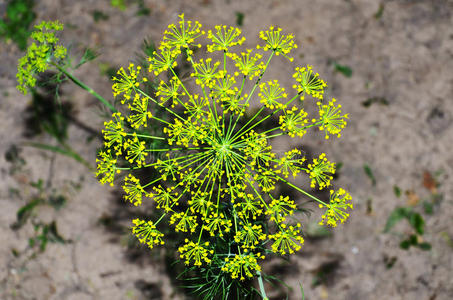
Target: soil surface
{"points": [[399, 99]]}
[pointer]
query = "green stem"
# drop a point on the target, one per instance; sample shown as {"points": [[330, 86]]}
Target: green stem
{"points": [[302, 191], [85, 87], [261, 284]]}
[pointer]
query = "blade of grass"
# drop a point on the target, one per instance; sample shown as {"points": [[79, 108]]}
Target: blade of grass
{"points": [[64, 151]]}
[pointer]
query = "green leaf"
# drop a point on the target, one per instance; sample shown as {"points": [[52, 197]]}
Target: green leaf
{"points": [[389, 261], [428, 207], [239, 18], [424, 246], [379, 12], [378, 100], [57, 201], [99, 16], [67, 152], [38, 184], [148, 47], [53, 234], [413, 240], [405, 244], [16, 21], [89, 55], [345, 70], [397, 191], [142, 9], [369, 173], [400, 213], [417, 222], [120, 4], [302, 291], [24, 213]]}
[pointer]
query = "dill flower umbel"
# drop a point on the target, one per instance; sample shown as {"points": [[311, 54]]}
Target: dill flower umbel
{"points": [[321, 171], [39, 54], [215, 176], [340, 201], [147, 233]]}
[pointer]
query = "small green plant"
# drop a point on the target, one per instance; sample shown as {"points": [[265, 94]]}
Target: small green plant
{"points": [[44, 231], [194, 149], [16, 22], [414, 215], [417, 223]]}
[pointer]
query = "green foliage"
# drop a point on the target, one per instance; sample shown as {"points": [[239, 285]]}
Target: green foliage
{"points": [[88, 55], [389, 261], [239, 18], [99, 16], [63, 149], [41, 197], [380, 11], [142, 9], [413, 240], [45, 233], [343, 69], [369, 173], [417, 223], [397, 191], [13, 156], [400, 213], [17, 20], [378, 100], [120, 4], [25, 212]]}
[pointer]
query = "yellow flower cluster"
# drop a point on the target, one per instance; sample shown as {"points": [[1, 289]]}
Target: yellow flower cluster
{"points": [[277, 42], [339, 202], [224, 38], [291, 162], [195, 253], [249, 64], [147, 233], [270, 93], [243, 266], [126, 82], [114, 133], [309, 83], [134, 190], [287, 240], [294, 121], [215, 174], [106, 167], [331, 119], [321, 171], [39, 54]]}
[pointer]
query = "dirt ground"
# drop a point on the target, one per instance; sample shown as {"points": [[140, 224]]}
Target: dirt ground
{"points": [[401, 57]]}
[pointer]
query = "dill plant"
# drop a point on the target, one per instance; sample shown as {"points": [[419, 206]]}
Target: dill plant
{"points": [[211, 170]]}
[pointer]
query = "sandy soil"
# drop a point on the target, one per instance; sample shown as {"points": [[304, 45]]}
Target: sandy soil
{"points": [[404, 56]]}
